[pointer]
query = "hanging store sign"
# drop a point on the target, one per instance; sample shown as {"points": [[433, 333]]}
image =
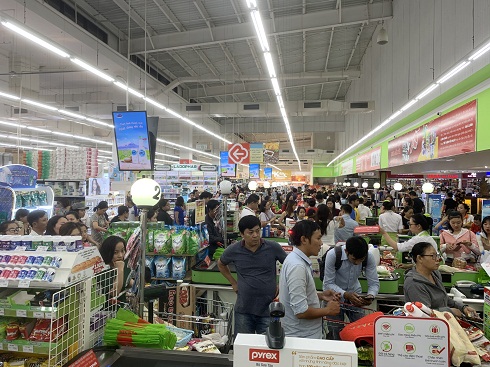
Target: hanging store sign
{"points": [[254, 171], [208, 168], [299, 178], [406, 176], [18, 176], [239, 153], [451, 134], [256, 153], [271, 153], [369, 161], [184, 167], [163, 167], [347, 167], [282, 176], [443, 176], [268, 173]]}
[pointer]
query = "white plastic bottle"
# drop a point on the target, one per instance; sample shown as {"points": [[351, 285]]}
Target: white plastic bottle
{"points": [[412, 310], [375, 251]]}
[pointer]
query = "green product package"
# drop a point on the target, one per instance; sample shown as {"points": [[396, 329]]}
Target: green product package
{"points": [[162, 241], [179, 238], [150, 245], [192, 242]]}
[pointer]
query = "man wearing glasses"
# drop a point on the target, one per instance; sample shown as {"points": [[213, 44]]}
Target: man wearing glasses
{"points": [[9, 228]]}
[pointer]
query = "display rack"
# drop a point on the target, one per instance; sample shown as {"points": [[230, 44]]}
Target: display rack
{"points": [[112, 200], [20, 203], [71, 189]]}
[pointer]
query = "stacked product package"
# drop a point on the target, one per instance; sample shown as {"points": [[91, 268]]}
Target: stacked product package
{"points": [[75, 163], [168, 247], [91, 162]]}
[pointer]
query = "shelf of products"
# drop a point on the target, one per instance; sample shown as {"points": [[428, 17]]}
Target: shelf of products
{"points": [[72, 189], [113, 201], [53, 325]]}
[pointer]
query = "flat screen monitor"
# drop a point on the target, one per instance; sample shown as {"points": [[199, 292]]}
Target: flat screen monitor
{"points": [[132, 141], [228, 170]]}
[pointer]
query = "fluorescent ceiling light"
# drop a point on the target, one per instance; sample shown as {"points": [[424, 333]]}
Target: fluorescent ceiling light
{"points": [[13, 124], [453, 71], [251, 4], [167, 155], [270, 64], [24, 147], [429, 89], [408, 105], [154, 103], [63, 134], [186, 148], [274, 166], [259, 29], [165, 161], [93, 70], [39, 129], [195, 160], [72, 114], [105, 151], [480, 52], [39, 104], [130, 90], [35, 39], [100, 122], [275, 85], [9, 96]]}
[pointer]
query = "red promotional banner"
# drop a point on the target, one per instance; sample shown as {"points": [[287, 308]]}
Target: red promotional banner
{"points": [[87, 360], [369, 161], [239, 153], [451, 134]]}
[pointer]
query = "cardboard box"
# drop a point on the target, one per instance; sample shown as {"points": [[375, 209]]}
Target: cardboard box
{"points": [[185, 305], [251, 350]]}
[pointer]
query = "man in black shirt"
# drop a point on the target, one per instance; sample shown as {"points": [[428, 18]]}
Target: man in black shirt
{"points": [[215, 235], [449, 203], [163, 215], [418, 205]]}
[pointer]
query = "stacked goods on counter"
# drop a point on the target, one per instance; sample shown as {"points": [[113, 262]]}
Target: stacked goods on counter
{"points": [[11, 360], [169, 248]]}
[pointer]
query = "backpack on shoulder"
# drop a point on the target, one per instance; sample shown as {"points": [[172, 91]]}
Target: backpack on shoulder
{"points": [[338, 261]]}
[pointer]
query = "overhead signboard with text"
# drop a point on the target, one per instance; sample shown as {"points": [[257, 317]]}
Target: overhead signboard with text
{"points": [[448, 135]]}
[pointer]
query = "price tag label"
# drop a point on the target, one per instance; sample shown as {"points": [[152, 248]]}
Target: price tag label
{"points": [[28, 349], [61, 249], [4, 283], [21, 313], [2, 312], [38, 315], [13, 348], [47, 315], [42, 248], [24, 283], [20, 248]]}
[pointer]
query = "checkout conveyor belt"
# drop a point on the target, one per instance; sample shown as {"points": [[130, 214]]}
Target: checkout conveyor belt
{"points": [[130, 357]]}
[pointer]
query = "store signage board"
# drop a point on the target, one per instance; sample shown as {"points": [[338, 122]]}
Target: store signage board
{"points": [[347, 167], [200, 215], [448, 135], [228, 170], [435, 207], [223, 157], [239, 153], [208, 168], [282, 176], [185, 167], [485, 208], [99, 186], [271, 152], [251, 350], [89, 359], [369, 161], [268, 173], [410, 341], [132, 140], [18, 176], [256, 152], [163, 167], [254, 171]]}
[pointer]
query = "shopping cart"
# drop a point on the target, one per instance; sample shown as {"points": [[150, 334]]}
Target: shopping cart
{"points": [[209, 316]]}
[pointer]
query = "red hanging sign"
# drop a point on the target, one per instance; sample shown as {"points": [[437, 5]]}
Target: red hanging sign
{"points": [[239, 153]]}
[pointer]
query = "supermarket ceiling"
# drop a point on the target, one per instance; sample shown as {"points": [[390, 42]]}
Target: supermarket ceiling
{"points": [[203, 60]]}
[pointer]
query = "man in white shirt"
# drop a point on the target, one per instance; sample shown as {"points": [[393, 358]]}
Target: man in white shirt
{"points": [[390, 221], [252, 205], [38, 220], [363, 210], [320, 199]]}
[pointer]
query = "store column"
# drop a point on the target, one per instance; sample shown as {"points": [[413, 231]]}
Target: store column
{"points": [[187, 141]]}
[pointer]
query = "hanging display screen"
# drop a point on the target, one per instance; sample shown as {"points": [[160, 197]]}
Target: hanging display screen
{"points": [[228, 170], [132, 141]]}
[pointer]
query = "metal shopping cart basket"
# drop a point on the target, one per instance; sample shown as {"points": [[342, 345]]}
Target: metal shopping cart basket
{"points": [[209, 316]]}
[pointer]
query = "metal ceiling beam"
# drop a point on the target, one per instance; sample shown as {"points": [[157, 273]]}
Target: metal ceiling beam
{"points": [[236, 9], [327, 57], [253, 87], [126, 8], [204, 13], [274, 126], [240, 78], [292, 24], [170, 15]]}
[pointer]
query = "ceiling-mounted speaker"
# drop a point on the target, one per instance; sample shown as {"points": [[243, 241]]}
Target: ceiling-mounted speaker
{"points": [[382, 36]]}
